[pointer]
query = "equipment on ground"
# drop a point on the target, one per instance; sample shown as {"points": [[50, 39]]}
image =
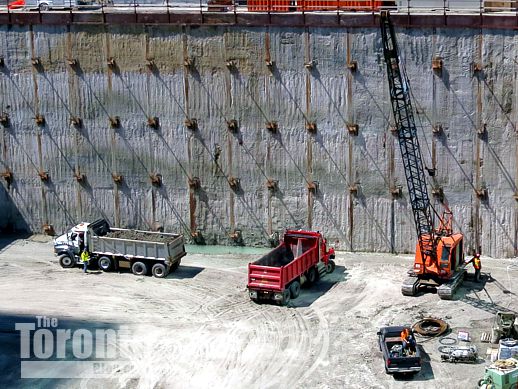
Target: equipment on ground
{"points": [[143, 252], [501, 374], [508, 348], [439, 258], [302, 257], [504, 326], [456, 354]]}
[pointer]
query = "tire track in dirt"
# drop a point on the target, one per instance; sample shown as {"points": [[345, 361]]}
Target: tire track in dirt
{"points": [[236, 342], [205, 329]]}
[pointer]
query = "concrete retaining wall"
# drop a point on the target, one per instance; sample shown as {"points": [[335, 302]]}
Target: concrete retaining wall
{"points": [[354, 175]]}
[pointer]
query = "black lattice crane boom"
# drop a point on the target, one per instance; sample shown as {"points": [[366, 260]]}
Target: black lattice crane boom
{"points": [[439, 253]]}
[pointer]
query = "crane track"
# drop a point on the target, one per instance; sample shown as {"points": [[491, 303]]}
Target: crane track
{"points": [[409, 286]]}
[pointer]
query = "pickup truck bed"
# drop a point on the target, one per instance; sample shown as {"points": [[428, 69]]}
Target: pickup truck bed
{"points": [[396, 359]]}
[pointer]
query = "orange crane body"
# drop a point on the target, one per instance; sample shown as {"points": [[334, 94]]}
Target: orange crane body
{"points": [[439, 259], [449, 257]]}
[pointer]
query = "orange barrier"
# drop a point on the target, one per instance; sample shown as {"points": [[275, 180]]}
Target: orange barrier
{"points": [[327, 5], [269, 5]]}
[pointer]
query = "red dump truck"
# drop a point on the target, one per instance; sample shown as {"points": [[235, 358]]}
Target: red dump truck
{"points": [[301, 258]]}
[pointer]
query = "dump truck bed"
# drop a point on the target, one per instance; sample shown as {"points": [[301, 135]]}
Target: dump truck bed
{"points": [[294, 256], [137, 243]]}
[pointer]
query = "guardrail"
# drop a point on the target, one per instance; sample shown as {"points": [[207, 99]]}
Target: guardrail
{"points": [[308, 13], [269, 6]]}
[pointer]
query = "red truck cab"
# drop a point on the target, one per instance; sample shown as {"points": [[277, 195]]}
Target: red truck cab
{"points": [[300, 258]]}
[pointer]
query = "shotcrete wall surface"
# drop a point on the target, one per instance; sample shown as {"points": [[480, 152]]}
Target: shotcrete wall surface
{"points": [[329, 180]]}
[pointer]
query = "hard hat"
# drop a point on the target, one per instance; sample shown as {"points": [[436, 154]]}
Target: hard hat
{"points": [[477, 255]]}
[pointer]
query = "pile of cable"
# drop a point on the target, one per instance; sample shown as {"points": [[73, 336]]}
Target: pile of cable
{"points": [[430, 327]]}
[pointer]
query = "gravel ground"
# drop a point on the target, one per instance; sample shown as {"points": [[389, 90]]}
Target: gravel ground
{"points": [[198, 328]]}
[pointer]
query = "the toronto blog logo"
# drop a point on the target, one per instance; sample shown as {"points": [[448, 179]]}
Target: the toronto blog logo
{"points": [[51, 350]]}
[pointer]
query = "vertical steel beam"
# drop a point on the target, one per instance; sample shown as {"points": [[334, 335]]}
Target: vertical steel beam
{"points": [[435, 116], [435, 92], [73, 93], [476, 219], [230, 157], [190, 139], [44, 208], [192, 197], [43, 190], [114, 163], [309, 138], [152, 159], [350, 142], [268, 163]]}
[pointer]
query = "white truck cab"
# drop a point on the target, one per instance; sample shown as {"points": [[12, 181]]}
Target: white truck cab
{"points": [[71, 236]]}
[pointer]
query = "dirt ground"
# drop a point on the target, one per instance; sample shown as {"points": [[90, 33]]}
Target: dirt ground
{"points": [[198, 328]]}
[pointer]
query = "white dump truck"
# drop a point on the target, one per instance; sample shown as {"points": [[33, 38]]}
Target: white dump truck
{"points": [[143, 252]]}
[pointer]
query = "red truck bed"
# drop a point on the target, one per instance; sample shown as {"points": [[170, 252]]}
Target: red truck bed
{"points": [[294, 256]]}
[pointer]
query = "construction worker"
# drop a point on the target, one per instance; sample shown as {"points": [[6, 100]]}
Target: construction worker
{"points": [[411, 342], [85, 258], [477, 265], [404, 339]]}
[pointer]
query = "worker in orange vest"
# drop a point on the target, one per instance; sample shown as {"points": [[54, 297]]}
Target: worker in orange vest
{"points": [[404, 339], [477, 265]]}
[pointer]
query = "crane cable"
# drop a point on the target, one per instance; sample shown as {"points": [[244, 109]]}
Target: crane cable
{"points": [[430, 326]]}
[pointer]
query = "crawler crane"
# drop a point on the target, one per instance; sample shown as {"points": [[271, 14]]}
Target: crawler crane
{"points": [[439, 257]]}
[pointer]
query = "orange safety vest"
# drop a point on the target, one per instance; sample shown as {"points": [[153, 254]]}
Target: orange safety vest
{"points": [[476, 263], [403, 335]]}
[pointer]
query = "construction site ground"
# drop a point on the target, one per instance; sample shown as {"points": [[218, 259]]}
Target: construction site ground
{"points": [[198, 328]]}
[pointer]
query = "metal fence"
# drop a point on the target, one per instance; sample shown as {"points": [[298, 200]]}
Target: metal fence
{"points": [[291, 6]]}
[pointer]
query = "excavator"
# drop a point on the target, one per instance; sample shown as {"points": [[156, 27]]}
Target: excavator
{"points": [[439, 257]]}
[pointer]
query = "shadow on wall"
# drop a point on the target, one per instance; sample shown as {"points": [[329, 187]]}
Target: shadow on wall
{"points": [[11, 220]]}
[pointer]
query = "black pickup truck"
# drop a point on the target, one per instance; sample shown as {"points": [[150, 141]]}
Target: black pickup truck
{"points": [[398, 360]]}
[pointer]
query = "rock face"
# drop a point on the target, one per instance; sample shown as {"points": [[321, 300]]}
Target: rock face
{"points": [[232, 134]]}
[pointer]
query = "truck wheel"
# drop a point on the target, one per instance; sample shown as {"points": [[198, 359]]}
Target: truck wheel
{"points": [[312, 276], [285, 297], [330, 266], [66, 262], [175, 265], [295, 289], [159, 270], [139, 269], [105, 263], [44, 7]]}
